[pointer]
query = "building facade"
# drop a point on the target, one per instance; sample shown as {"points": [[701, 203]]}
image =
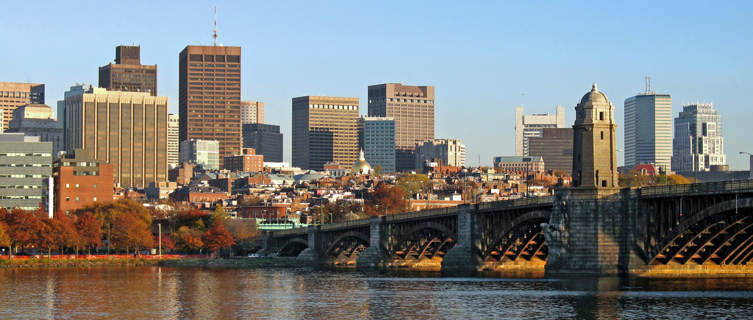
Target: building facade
{"points": [[201, 152], [16, 94], [210, 96], [530, 164], [532, 125], [37, 120], [555, 146], [81, 180], [125, 129], [648, 130], [325, 129], [698, 143], [173, 143], [247, 161], [594, 143], [25, 172], [127, 73], [266, 139], [252, 112], [412, 108], [451, 152], [377, 135]]}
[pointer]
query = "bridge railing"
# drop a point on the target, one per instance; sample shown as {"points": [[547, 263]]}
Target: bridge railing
{"points": [[421, 214], [515, 203], [289, 232], [346, 224], [695, 188]]}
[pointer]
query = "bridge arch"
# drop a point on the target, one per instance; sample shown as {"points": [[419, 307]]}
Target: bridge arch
{"points": [[352, 235], [722, 233], [426, 239], [523, 236], [293, 247]]}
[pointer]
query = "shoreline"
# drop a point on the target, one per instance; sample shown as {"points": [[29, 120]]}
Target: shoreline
{"points": [[44, 262]]}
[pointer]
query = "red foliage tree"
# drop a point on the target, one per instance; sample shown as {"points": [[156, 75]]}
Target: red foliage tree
{"points": [[89, 230], [217, 237], [130, 231], [387, 199], [23, 227]]}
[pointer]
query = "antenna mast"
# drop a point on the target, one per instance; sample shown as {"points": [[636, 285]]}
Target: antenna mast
{"points": [[215, 26], [648, 84]]}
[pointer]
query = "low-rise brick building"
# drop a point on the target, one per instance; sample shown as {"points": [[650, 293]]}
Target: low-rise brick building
{"points": [[247, 161], [81, 180]]}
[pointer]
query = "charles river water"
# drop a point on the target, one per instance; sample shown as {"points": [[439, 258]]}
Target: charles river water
{"points": [[194, 293]]}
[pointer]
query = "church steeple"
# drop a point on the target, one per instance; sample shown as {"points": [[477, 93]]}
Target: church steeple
{"points": [[594, 142]]}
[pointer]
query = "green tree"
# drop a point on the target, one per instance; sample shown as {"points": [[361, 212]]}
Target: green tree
{"points": [[219, 214], [378, 170], [413, 183]]}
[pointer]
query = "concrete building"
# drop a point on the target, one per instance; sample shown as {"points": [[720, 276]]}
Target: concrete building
{"points": [[594, 143], [210, 96], [556, 147], [73, 91], [16, 94], [451, 152], [37, 120], [173, 143], [81, 180], [532, 125], [252, 112], [530, 164], [201, 152], [377, 140], [698, 143], [325, 129], [412, 108], [266, 139], [248, 161], [127, 73], [125, 129], [648, 130], [25, 172]]}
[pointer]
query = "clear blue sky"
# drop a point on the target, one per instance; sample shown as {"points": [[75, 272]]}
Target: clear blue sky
{"points": [[484, 58]]}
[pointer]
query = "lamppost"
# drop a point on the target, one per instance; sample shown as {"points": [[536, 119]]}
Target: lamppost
{"points": [[159, 226], [750, 166]]}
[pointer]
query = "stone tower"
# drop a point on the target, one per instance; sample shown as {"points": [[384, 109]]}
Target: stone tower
{"points": [[594, 143]]}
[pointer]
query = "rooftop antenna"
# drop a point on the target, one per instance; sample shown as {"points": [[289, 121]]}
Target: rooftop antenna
{"points": [[648, 84], [215, 26]]}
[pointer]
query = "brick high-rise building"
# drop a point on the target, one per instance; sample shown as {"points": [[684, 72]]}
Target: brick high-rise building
{"points": [[252, 112], [127, 73], [210, 96], [16, 94], [325, 129], [125, 129], [412, 107]]}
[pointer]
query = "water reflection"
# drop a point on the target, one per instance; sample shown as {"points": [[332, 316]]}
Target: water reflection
{"points": [[166, 293]]}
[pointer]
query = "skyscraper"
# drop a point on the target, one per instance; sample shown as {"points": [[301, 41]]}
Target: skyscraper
{"points": [[127, 73], [125, 129], [698, 143], [412, 107], [531, 125], [451, 152], [173, 145], [378, 135], [210, 96], [252, 112], [16, 94], [266, 139], [325, 129], [594, 143], [648, 130], [556, 147]]}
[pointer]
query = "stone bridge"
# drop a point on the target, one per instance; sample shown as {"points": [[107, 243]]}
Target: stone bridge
{"points": [[694, 229]]}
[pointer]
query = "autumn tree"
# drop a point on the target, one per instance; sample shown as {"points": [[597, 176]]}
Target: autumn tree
{"points": [[219, 214], [89, 231], [187, 240], [413, 183], [387, 199], [64, 233], [4, 238], [217, 237], [23, 227], [131, 231], [243, 231]]}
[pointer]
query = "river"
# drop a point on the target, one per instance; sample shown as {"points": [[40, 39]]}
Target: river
{"points": [[186, 293]]}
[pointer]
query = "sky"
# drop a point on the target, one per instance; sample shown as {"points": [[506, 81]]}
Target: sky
{"points": [[483, 57]]}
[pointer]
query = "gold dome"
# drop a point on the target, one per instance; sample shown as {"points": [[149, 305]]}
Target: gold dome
{"points": [[361, 166]]}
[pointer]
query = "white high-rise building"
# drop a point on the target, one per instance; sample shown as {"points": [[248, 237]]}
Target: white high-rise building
{"points": [[451, 152], [252, 112], [648, 130], [532, 125], [173, 145], [698, 142]]}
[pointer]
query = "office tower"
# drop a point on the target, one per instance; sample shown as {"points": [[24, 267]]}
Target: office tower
{"points": [[325, 129], [127, 73], [378, 142], [556, 147], [125, 129], [648, 130], [202, 152], [247, 161], [451, 152], [16, 94], [81, 180], [531, 125], [173, 145], [412, 107], [37, 120], [252, 112], [266, 139], [25, 171], [594, 143], [77, 89], [698, 142], [210, 96]]}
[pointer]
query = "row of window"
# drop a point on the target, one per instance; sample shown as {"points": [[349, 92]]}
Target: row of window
{"points": [[20, 197], [17, 154], [23, 176], [28, 165]]}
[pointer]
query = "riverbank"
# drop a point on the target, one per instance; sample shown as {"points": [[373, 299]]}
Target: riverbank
{"points": [[266, 262], [74, 263]]}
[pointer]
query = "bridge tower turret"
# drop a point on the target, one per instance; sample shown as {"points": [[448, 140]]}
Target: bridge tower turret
{"points": [[594, 143]]}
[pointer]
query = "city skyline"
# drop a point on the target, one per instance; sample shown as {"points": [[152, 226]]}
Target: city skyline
{"points": [[683, 60]]}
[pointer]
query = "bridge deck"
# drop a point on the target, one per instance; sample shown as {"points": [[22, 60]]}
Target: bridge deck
{"points": [[708, 188]]}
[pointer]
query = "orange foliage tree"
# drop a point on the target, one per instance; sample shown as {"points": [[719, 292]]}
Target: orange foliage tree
{"points": [[131, 231], [187, 239], [387, 199], [217, 237], [89, 230]]}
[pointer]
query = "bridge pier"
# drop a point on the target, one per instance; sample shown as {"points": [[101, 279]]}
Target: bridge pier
{"points": [[462, 260], [373, 257], [266, 243], [314, 250]]}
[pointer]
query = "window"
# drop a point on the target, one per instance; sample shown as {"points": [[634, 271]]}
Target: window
{"points": [[76, 198], [601, 115], [67, 198], [77, 186], [603, 183], [95, 186], [95, 199], [67, 185], [602, 135]]}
